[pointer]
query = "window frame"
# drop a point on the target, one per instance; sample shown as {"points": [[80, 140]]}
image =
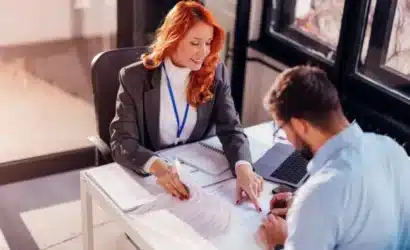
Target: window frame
{"points": [[284, 26], [286, 32], [379, 42], [344, 72]]}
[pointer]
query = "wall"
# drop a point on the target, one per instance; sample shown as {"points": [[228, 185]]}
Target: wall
{"points": [[55, 40], [258, 78], [224, 12], [40, 21], [61, 20]]}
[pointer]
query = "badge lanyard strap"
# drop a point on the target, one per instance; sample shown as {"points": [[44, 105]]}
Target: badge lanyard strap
{"points": [[180, 127]]}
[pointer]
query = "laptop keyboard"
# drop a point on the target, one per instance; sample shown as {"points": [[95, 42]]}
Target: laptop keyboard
{"points": [[292, 170]]}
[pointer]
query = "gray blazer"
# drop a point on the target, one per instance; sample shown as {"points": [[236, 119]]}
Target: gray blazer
{"points": [[135, 127]]}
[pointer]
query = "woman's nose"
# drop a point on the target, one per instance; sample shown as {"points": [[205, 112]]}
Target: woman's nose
{"points": [[203, 50]]}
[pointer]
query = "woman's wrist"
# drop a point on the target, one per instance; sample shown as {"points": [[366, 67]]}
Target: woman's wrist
{"points": [[159, 168], [243, 168]]}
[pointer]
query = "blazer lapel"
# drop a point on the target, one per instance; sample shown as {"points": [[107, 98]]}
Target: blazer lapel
{"points": [[202, 123], [152, 107]]}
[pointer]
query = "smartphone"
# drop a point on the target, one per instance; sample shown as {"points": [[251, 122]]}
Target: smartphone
{"points": [[282, 189]]}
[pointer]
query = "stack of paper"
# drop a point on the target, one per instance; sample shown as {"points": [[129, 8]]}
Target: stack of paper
{"points": [[199, 156], [207, 214]]}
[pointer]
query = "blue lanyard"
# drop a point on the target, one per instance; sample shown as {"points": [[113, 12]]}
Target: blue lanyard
{"points": [[171, 94]]}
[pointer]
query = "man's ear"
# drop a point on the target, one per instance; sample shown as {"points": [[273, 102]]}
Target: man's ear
{"points": [[300, 126]]}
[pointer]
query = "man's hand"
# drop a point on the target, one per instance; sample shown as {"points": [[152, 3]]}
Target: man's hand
{"points": [[280, 204], [168, 178], [249, 185], [272, 232]]}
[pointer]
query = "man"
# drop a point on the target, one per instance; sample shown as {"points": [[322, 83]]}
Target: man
{"points": [[358, 193]]}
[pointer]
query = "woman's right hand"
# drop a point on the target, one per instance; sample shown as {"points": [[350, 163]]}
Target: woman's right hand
{"points": [[168, 178]]}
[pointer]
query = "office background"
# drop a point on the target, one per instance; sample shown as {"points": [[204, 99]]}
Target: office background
{"points": [[47, 103]]}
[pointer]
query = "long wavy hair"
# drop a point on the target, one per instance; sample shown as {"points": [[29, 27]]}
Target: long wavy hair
{"points": [[177, 23]]}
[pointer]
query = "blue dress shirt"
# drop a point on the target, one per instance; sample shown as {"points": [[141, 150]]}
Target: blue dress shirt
{"points": [[357, 198]]}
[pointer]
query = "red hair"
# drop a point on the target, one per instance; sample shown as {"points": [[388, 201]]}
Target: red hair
{"points": [[177, 23]]}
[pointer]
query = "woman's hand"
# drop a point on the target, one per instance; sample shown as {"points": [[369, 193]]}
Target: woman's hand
{"points": [[249, 185], [168, 178]]}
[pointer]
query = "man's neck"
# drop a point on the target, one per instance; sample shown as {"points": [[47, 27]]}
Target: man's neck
{"points": [[337, 126]]}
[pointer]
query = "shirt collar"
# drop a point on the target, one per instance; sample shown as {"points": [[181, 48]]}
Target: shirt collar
{"points": [[344, 138], [175, 71]]}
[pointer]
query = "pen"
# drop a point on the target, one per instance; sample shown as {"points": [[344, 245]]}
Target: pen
{"points": [[176, 163]]}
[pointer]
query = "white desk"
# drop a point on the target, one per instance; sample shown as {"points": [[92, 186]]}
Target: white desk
{"points": [[245, 219]]}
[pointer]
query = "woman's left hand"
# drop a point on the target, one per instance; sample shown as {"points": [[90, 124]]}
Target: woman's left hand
{"points": [[249, 185]]}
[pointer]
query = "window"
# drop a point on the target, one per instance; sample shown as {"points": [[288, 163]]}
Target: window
{"points": [[313, 24], [386, 52], [46, 96], [371, 70], [368, 32], [398, 53]]}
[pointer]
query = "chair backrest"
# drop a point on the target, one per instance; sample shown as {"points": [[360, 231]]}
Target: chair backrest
{"points": [[104, 77]]}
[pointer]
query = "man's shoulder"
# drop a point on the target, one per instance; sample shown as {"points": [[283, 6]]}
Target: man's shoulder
{"points": [[379, 141], [367, 149], [325, 183], [381, 147]]}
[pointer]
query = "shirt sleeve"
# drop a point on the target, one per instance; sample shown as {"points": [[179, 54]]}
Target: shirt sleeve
{"points": [[227, 123], [147, 166], [312, 220], [242, 162]]}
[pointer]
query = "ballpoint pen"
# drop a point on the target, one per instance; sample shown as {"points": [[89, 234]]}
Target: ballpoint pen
{"points": [[176, 163]]}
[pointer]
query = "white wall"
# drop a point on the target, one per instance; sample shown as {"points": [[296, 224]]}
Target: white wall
{"points": [[258, 78], [224, 13], [30, 21]]}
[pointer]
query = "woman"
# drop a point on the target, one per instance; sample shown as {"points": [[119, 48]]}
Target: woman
{"points": [[179, 93]]}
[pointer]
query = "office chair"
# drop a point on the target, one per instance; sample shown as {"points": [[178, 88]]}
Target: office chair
{"points": [[105, 67]]}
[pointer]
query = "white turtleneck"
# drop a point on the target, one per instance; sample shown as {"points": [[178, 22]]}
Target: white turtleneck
{"points": [[179, 79]]}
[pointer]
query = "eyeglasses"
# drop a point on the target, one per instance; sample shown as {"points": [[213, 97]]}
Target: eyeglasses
{"points": [[276, 131]]}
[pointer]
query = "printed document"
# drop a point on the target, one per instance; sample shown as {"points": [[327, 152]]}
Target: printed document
{"points": [[162, 230], [207, 214]]}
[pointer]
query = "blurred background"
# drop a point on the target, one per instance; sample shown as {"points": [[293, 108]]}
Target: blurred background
{"points": [[46, 100]]}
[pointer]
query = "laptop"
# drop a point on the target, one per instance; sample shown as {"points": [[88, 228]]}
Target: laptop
{"points": [[283, 165]]}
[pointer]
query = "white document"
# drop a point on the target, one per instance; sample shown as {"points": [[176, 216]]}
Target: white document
{"points": [[207, 214], [245, 220], [256, 147], [200, 156], [120, 186], [201, 178], [161, 229], [245, 211], [214, 143]]}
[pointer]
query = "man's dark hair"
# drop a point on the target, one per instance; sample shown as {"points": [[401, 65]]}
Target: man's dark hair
{"points": [[304, 92]]}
